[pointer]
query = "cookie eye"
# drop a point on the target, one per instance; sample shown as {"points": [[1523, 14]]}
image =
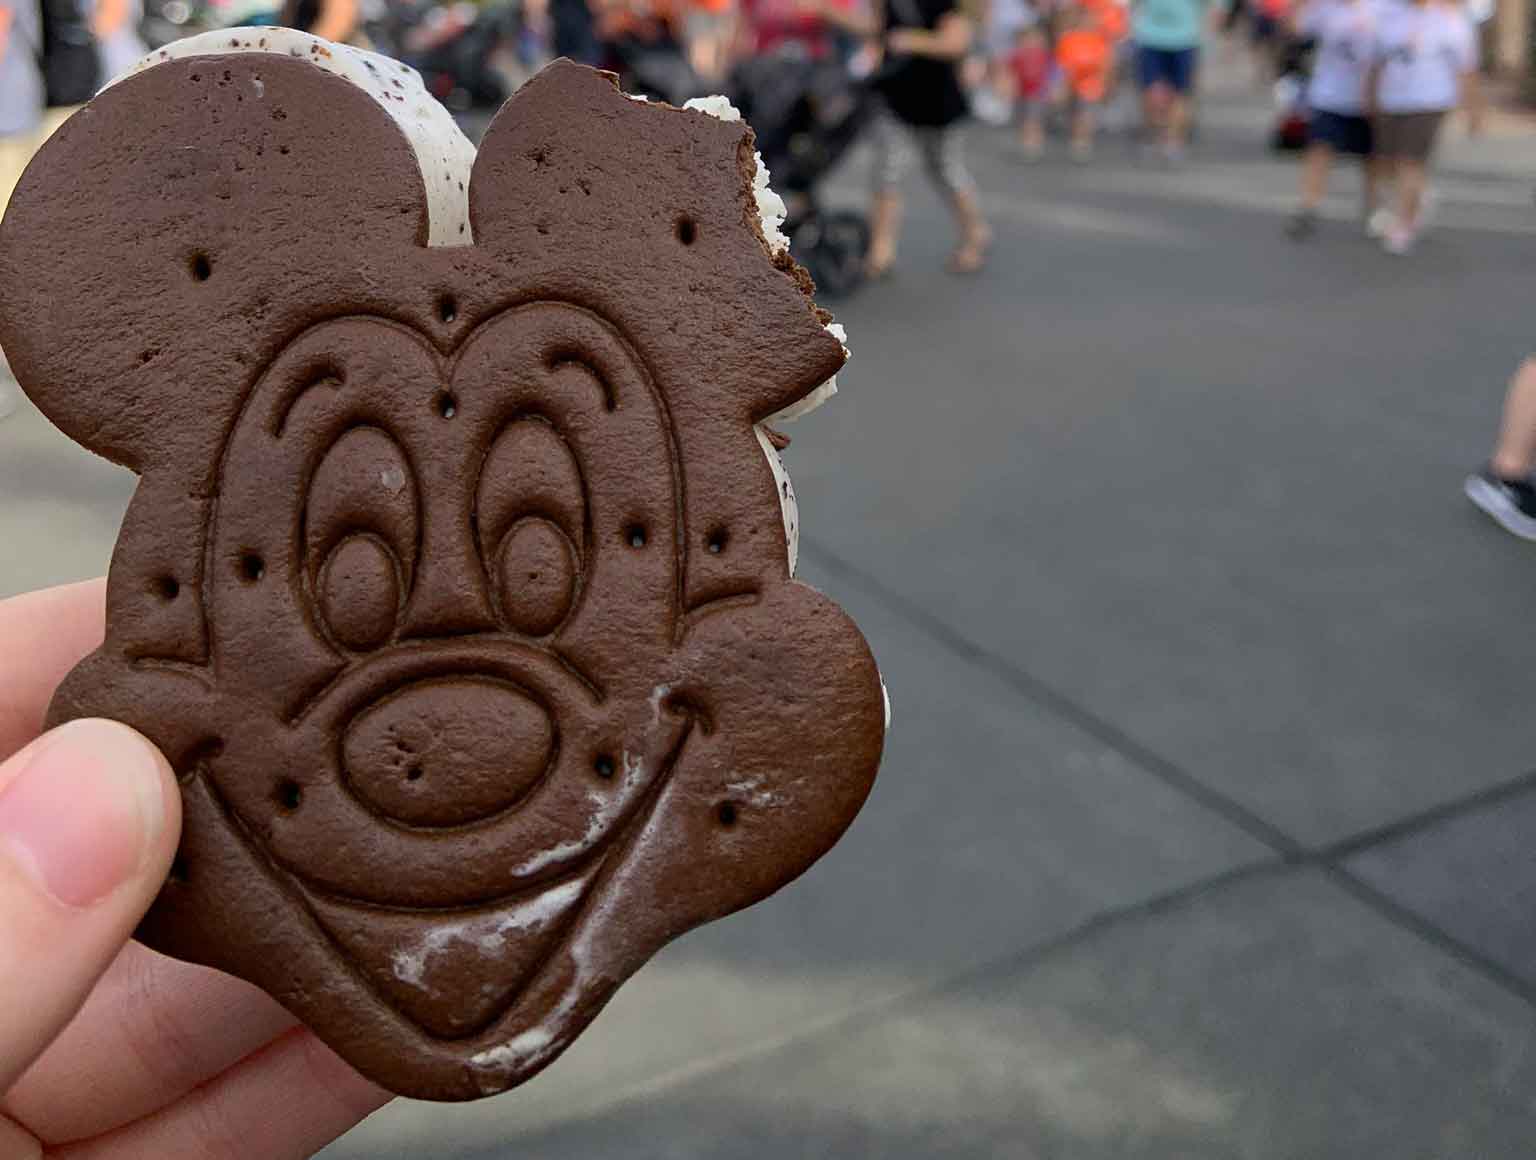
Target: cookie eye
{"points": [[537, 576], [531, 512], [360, 532], [359, 591]]}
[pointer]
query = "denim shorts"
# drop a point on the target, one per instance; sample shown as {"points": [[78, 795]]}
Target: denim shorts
{"points": [[1174, 67], [1346, 133]]}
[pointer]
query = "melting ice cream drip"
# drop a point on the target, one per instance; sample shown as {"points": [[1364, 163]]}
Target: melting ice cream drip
{"points": [[606, 808], [489, 934]]}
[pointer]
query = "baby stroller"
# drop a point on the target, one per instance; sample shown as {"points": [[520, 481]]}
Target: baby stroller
{"points": [[1290, 131], [806, 113]]}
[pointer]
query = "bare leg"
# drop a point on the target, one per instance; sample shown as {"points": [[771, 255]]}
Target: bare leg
{"points": [[1314, 174], [1084, 121], [1411, 176], [1032, 131], [884, 230], [1375, 175], [1178, 122], [975, 234], [1514, 456], [1154, 104]]}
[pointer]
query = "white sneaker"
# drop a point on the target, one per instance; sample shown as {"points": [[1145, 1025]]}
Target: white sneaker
{"points": [[1399, 241], [1380, 223]]}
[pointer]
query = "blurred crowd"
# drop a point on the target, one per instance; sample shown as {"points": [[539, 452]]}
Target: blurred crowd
{"points": [[1367, 78]]}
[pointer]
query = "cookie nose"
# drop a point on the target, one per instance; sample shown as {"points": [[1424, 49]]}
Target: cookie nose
{"points": [[447, 751]]}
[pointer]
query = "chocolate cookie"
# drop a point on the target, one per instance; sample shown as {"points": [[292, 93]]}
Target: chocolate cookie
{"points": [[456, 585]]}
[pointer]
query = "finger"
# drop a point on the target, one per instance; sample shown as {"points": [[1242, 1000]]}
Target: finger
{"points": [[152, 1030], [18, 1144], [287, 1101], [48, 632], [89, 819]]}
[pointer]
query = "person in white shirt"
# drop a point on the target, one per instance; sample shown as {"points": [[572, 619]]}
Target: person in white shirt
{"points": [[1345, 32], [1426, 52]]}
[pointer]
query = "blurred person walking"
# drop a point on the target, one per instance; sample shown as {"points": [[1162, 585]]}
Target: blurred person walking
{"points": [[1506, 488], [1425, 62], [919, 83], [1085, 53], [1030, 68], [1168, 35], [1345, 33], [1004, 23]]}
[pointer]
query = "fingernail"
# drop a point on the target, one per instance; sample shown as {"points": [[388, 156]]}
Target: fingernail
{"points": [[82, 812]]}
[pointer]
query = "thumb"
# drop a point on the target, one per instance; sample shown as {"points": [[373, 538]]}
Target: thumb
{"points": [[89, 820]]}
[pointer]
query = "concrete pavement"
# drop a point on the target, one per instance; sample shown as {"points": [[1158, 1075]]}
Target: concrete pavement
{"points": [[1208, 826]]}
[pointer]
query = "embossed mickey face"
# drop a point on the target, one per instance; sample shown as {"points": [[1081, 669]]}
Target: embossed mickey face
{"points": [[426, 562], [456, 583]]}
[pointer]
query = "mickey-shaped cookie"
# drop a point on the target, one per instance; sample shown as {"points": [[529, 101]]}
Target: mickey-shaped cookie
{"points": [[456, 584]]}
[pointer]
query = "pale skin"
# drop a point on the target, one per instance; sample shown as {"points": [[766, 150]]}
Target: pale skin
{"points": [[109, 1051], [1315, 166], [1514, 455], [949, 40]]}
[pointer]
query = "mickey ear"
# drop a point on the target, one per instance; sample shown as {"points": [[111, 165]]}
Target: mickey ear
{"points": [[648, 216], [187, 220]]}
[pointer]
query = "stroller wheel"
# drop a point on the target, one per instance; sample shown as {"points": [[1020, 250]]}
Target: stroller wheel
{"points": [[833, 247]]}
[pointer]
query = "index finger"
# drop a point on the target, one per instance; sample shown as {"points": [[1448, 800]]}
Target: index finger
{"points": [[43, 635]]}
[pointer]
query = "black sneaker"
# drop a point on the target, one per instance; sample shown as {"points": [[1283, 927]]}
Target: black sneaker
{"points": [[1511, 503], [1301, 225]]}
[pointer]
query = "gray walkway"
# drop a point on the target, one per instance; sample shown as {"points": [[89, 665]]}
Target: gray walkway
{"points": [[1208, 827]]}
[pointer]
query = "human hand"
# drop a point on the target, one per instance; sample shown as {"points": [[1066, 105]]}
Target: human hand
{"points": [[109, 1051]]}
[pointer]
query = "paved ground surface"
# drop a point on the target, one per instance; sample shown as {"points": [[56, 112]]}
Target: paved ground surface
{"points": [[1208, 827]]}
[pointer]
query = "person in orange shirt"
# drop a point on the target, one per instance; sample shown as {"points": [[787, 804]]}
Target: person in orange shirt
{"points": [[1085, 54]]}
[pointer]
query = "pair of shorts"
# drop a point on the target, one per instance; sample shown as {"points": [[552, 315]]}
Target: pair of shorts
{"points": [[1172, 67], [1344, 132], [1409, 136]]}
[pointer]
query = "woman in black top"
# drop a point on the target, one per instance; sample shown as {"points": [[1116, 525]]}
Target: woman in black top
{"points": [[925, 41]]}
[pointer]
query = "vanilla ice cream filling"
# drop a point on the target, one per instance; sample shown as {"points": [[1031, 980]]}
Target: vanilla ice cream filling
{"points": [[446, 157]]}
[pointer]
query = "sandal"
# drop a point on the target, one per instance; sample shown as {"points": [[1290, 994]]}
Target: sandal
{"points": [[972, 254]]}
